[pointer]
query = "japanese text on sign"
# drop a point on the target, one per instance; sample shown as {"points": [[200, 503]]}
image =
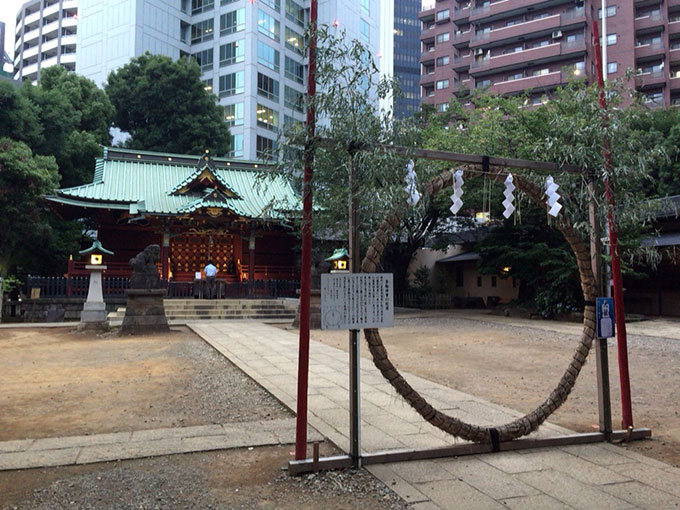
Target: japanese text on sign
{"points": [[356, 301]]}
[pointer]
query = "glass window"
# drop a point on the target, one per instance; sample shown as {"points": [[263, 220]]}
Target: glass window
{"points": [[365, 29], [292, 124], [442, 84], [199, 6], [202, 31], [443, 61], [442, 107], [232, 53], [443, 15], [441, 38], [274, 4], [265, 147], [482, 84], [540, 72], [268, 25], [612, 67], [515, 76], [611, 11], [294, 41], [227, 2], [267, 87], [204, 59], [611, 39], [231, 84], [233, 21], [295, 70], [236, 146], [292, 98], [295, 12], [268, 56], [267, 118], [233, 114], [208, 85], [366, 6]]}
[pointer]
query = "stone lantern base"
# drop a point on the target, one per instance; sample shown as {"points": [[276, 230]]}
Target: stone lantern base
{"points": [[145, 312]]}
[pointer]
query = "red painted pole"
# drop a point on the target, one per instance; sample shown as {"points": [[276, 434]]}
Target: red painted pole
{"points": [[617, 279], [306, 263]]}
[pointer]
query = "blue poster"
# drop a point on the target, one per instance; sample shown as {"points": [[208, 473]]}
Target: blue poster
{"points": [[605, 317]]}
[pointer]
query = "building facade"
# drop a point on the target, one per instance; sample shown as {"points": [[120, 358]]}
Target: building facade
{"points": [[510, 46], [250, 53], [46, 32], [407, 57]]}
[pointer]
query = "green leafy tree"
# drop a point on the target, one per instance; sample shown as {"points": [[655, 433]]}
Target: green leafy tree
{"points": [[164, 106], [24, 178]]}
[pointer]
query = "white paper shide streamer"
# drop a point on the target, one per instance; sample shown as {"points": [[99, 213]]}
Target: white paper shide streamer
{"points": [[457, 191], [410, 180], [553, 197], [509, 197]]}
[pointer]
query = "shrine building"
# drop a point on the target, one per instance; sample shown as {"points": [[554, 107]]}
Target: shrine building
{"points": [[197, 208]]}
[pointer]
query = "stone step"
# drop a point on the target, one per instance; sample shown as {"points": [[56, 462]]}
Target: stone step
{"points": [[118, 321]]}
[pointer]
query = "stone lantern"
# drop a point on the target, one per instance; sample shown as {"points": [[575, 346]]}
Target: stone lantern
{"points": [[94, 309], [340, 261]]}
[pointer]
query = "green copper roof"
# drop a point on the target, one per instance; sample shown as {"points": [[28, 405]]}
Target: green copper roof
{"points": [[339, 253], [96, 247], [148, 182]]}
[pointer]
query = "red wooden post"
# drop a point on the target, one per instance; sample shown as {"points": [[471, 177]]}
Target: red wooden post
{"points": [[306, 262], [617, 279]]}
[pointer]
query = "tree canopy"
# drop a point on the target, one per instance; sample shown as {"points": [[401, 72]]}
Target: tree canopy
{"points": [[164, 107]]}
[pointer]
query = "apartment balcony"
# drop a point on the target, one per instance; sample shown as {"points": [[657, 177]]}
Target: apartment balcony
{"points": [[649, 21], [50, 29], [461, 16], [69, 22], [30, 71], [50, 45], [496, 9], [32, 18], [461, 39], [427, 55], [545, 81], [674, 28], [67, 58], [70, 4], [52, 9], [674, 56], [68, 40], [540, 55], [427, 13], [31, 35], [651, 79], [649, 50], [427, 80], [31, 52], [462, 63], [515, 31], [673, 3], [675, 83]]}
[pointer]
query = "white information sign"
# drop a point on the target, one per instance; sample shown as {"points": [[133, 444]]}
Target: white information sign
{"points": [[356, 301]]}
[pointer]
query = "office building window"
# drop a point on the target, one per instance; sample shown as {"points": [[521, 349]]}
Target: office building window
{"points": [[294, 41], [267, 118], [442, 84], [231, 84], [295, 70], [227, 2], [232, 53], [265, 148], [268, 25], [443, 61], [204, 59], [366, 7], [365, 30], [199, 6], [233, 114], [202, 31], [292, 98], [612, 67], [291, 124], [295, 12], [267, 87], [274, 4], [268, 56], [208, 86], [236, 146], [442, 38], [233, 21]]}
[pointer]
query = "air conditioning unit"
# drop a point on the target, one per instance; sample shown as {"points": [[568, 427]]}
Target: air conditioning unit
{"points": [[479, 51], [556, 34]]}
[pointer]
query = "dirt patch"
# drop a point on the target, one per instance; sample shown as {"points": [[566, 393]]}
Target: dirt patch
{"points": [[518, 367], [245, 479], [61, 382]]}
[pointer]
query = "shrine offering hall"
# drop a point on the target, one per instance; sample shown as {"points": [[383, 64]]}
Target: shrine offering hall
{"points": [[197, 208]]}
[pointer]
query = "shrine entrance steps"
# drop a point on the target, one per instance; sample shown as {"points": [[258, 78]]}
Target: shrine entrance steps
{"points": [[179, 311]]}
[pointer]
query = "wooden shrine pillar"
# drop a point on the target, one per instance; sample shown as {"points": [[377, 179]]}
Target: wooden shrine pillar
{"points": [[251, 258], [165, 256], [238, 256]]}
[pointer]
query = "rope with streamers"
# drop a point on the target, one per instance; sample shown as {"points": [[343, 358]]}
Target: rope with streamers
{"points": [[450, 424]]}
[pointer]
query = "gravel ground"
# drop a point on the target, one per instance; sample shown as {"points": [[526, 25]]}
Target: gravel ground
{"points": [[236, 479]]}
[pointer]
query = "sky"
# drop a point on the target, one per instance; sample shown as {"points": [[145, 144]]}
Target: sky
{"points": [[8, 12]]}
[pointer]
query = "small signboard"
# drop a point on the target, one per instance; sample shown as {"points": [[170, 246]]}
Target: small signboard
{"points": [[356, 300], [605, 317]]}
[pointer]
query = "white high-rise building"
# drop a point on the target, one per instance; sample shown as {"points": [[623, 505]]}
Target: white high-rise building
{"points": [[250, 52], [45, 36]]}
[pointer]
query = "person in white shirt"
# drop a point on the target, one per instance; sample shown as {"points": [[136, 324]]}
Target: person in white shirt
{"points": [[210, 272]]}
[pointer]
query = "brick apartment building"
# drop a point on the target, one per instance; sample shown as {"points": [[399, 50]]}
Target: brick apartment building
{"points": [[510, 46]]}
